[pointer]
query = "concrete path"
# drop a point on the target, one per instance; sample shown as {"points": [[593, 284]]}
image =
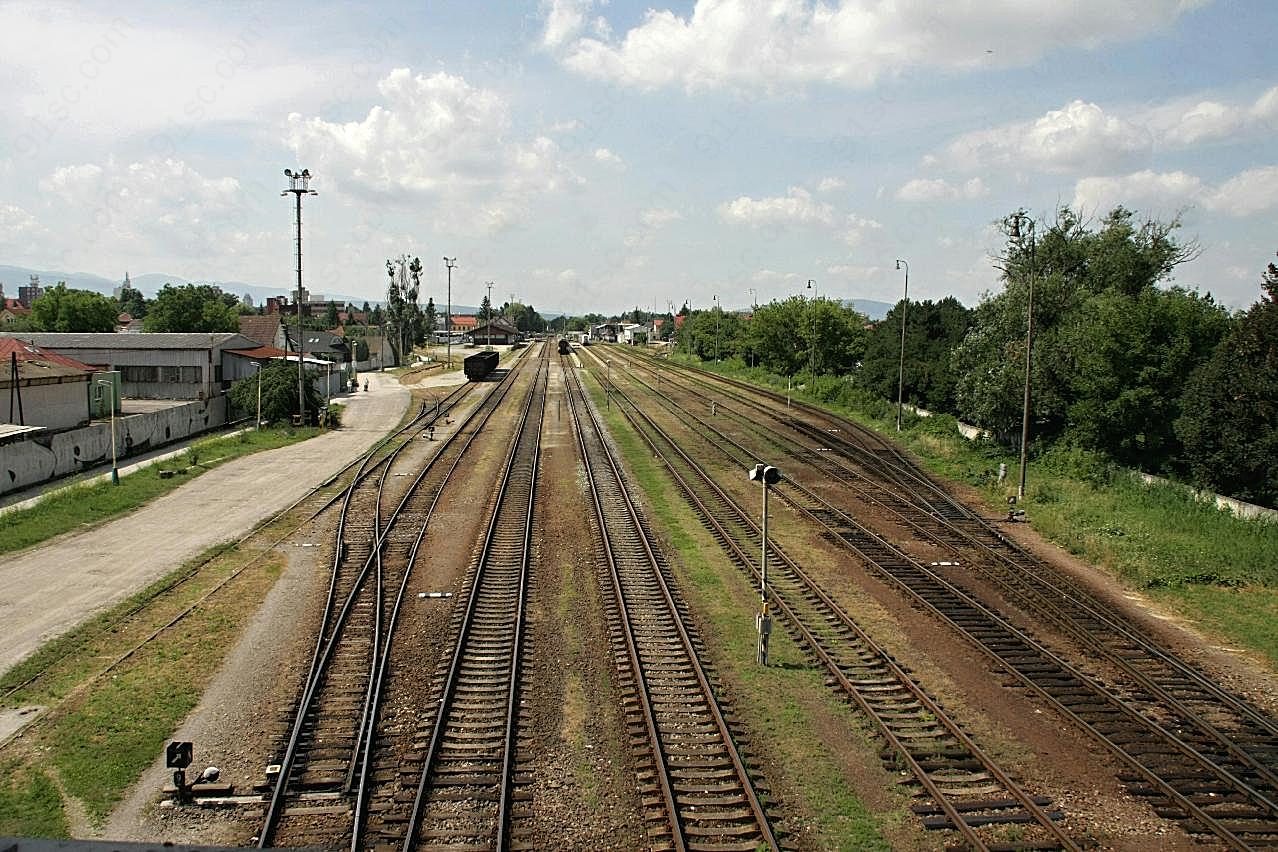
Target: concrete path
{"points": [[48, 590]]}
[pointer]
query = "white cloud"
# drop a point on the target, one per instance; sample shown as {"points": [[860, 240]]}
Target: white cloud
{"points": [[853, 272], [159, 208], [1084, 137], [1143, 189], [1078, 136], [846, 42], [1249, 192], [656, 217], [435, 138], [610, 158], [565, 19], [797, 208], [830, 184], [921, 189], [17, 227], [771, 276]]}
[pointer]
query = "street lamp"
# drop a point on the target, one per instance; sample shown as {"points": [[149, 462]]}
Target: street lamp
{"points": [[716, 328], [900, 374], [488, 317], [115, 467], [754, 299], [299, 183], [258, 426], [1015, 234], [812, 348], [450, 262], [765, 475]]}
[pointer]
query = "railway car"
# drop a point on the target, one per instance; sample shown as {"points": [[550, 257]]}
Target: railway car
{"points": [[479, 365], [564, 348]]}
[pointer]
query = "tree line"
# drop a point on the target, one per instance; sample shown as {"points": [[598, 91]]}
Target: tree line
{"points": [[1126, 364]]}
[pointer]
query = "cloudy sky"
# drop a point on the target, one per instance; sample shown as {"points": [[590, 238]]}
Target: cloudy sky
{"points": [[587, 155]]}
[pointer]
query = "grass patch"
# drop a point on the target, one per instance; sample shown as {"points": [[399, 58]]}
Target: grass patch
{"points": [[84, 506], [1157, 538], [29, 803], [103, 733], [787, 701]]}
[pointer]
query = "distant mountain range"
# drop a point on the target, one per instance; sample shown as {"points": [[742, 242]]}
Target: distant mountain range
{"points": [[13, 277]]}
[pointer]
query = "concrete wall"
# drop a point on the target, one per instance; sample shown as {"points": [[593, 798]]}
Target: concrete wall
{"points": [[30, 462], [54, 405]]}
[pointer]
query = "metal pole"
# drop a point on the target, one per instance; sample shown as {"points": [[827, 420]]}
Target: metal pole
{"points": [[299, 185], [259, 398], [115, 467], [812, 348], [716, 329], [900, 375], [488, 318], [450, 262], [1029, 348]]}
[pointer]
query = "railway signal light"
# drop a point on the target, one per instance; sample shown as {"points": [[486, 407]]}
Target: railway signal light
{"points": [[765, 475]]}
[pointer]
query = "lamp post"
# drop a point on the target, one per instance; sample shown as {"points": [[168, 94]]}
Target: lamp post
{"points": [[258, 423], [765, 475], [900, 370], [1015, 234], [450, 262], [115, 467], [299, 183], [716, 328], [754, 299], [488, 317], [812, 348]]}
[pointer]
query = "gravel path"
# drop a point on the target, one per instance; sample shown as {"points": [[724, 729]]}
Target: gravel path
{"points": [[48, 590]]}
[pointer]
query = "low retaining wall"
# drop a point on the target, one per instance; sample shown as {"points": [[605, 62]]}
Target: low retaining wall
{"points": [[45, 457]]}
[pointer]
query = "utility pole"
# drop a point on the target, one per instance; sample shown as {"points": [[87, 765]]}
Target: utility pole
{"points": [[900, 374], [488, 316], [450, 262], [1029, 343], [812, 348], [299, 185]]}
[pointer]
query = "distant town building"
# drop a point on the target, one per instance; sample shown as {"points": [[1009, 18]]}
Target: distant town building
{"points": [[122, 286], [28, 293]]}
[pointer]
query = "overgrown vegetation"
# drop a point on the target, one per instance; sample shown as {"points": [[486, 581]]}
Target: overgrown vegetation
{"points": [[1157, 538]]}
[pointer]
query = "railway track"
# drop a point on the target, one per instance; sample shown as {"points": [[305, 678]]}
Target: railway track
{"points": [[962, 787], [322, 789], [466, 794], [1204, 757], [696, 788]]}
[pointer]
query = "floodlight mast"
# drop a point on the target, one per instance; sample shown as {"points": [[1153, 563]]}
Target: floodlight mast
{"points": [[299, 185]]}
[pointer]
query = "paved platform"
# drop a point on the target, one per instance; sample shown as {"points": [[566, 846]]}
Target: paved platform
{"points": [[48, 590]]}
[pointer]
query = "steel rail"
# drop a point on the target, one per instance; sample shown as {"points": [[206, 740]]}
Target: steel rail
{"points": [[449, 687], [906, 475], [639, 533], [326, 642], [939, 796], [1224, 775], [368, 724]]}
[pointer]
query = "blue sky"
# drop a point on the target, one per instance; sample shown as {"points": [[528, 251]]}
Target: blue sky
{"points": [[598, 156]]}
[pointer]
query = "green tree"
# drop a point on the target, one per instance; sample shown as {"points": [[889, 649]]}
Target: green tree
{"points": [[330, 316], [1070, 263], [1229, 424], [1131, 356], [403, 313], [429, 317], [131, 302], [933, 329], [65, 309], [192, 308], [279, 393]]}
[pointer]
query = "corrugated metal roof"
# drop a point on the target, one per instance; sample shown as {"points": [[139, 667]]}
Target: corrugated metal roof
{"points": [[110, 340]]}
